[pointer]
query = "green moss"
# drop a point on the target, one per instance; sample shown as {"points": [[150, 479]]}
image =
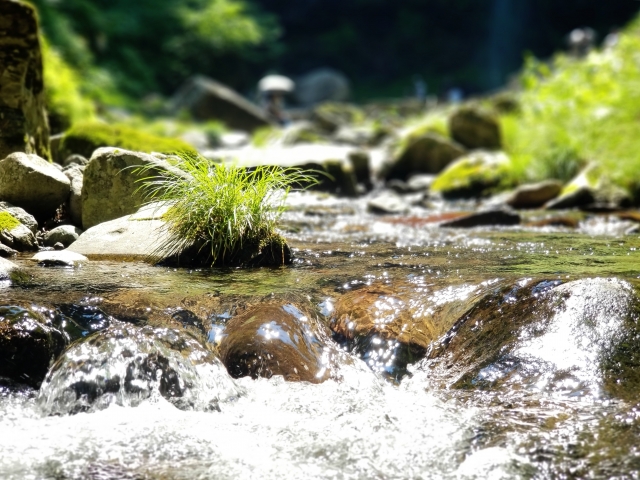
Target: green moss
{"points": [[65, 102], [474, 175], [84, 138], [8, 222]]}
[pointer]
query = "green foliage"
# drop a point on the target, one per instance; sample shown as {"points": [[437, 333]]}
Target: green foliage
{"points": [[225, 212], [573, 111], [84, 138], [8, 222], [65, 101], [148, 45]]}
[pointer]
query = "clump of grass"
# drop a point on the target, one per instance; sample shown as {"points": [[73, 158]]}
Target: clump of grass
{"points": [[222, 214]]}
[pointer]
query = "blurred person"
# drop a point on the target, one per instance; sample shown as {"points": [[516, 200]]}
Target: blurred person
{"points": [[273, 90]]}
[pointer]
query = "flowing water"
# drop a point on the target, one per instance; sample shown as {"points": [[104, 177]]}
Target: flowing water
{"points": [[363, 426]]}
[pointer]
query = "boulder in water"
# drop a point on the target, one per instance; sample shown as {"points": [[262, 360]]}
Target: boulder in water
{"points": [[275, 339], [577, 338], [29, 343], [126, 365]]}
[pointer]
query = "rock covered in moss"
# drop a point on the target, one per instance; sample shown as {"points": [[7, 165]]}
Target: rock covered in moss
{"points": [[15, 235], [22, 101], [29, 343], [592, 188], [32, 183], [84, 138], [111, 183], [475, 128], [21, 215], [427, 153], [330, 116], [474, 175]]}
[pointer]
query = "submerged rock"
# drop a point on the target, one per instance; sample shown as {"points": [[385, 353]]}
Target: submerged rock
{"points": [[29, 343], [56, 258], [390, 327], [275, 339], [22, 99], [126, 365], [578, 338]]}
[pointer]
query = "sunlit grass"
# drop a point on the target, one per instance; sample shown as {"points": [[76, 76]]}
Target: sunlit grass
{"points": [[577, 111], [223, 212]]}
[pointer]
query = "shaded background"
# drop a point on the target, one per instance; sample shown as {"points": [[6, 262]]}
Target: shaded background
{"points": [[152, 46]]}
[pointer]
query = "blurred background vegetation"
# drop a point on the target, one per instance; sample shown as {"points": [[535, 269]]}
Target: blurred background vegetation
{"points": [[106, 54]]}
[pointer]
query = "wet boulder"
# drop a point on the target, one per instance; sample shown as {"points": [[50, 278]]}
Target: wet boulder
{"points": [[476, 174], [387, 202], [111, 183], [575, 339], [14, 234], [475, 129], [126, 365], [275, 339], [59, 258], [427, 153], [22, 101], [534, 195], [207, 99], [29, 343], [32, 183], [390, 327]]}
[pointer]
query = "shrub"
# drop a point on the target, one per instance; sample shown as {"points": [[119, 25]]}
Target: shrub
{"points": [[223, 214], [573, 111], [84, 138]]}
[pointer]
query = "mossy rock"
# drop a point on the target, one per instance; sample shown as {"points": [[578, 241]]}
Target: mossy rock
{"points": [[84, 138], [331, 115], [428, 153], [475, 128], [8, 222], [477, 174]]}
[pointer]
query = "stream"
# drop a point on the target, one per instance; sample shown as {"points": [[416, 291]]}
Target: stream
{"points": [[408, 425]]}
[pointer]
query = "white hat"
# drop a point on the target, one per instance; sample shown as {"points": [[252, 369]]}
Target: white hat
{"points": [[276, 83]]}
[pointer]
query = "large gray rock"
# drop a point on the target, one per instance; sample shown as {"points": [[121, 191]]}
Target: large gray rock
{"points": [[75, 174], [65, 234], [474, 128], [428, 153], [132, 237], [32, 183], [19, 237], [24, 125], [207, 99], [111, 184], [64, 258], [321, 85]]}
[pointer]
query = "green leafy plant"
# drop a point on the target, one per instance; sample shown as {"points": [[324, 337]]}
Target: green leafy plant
{"points": [[222, 214]]}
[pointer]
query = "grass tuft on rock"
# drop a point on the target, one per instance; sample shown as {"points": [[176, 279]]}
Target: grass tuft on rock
{"points": [[223, 214]]}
